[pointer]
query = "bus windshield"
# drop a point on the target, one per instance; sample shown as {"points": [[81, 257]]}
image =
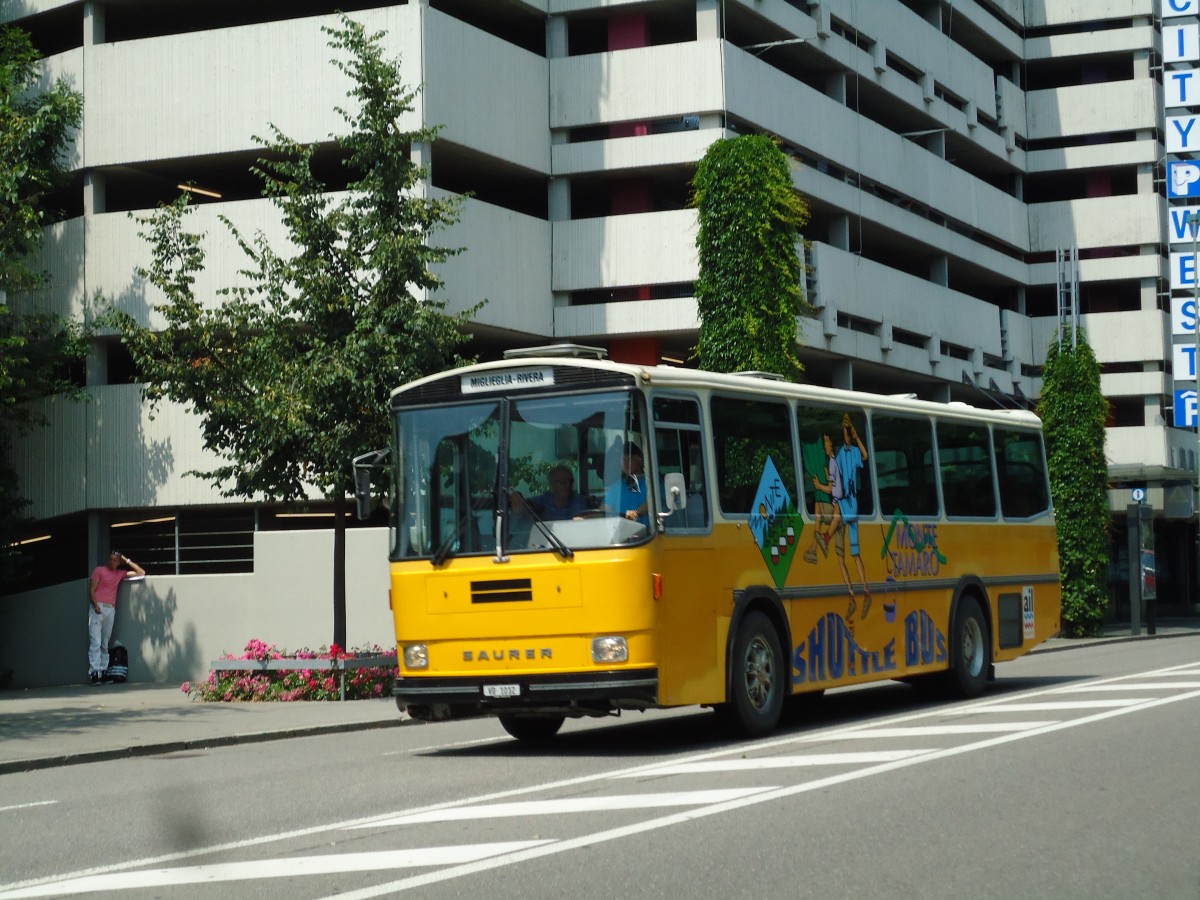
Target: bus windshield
{"points": [[520, 475]]}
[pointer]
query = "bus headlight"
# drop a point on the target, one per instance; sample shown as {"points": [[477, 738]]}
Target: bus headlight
{"points": [[610, 649], [416, 656]]}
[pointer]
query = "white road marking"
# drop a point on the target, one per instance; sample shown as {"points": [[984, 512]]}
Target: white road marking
{"points": [[447, 746], [1046, 706], [930, 731], [572, 805], [28, 805], [1135, 686], [781, 762], [287, 867], [680, 818]]}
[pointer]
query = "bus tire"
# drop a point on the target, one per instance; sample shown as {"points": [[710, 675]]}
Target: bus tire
{"points": [[532, 729], [756, 686], [972, 651]]}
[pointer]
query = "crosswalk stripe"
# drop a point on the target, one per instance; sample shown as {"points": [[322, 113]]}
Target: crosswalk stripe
{"points": [[1047, 705], [571, 805], [781, 762], [329, 864], [1134, 686]]}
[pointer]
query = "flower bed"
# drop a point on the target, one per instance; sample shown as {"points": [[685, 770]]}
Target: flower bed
{"points": [[301, 683]]}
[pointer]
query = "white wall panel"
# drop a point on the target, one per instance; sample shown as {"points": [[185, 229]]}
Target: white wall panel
{"points": [[616, 251], [1135, 336], [69, 67], [1093, 109], [52, 461], [1119, 221], [211, 91], [659, 317], [618, 154], [469, 79], [1039, 13], [666, 81], [506, 262], [1135, 384], [1089, 43], [1093, 156], [1141, 446], [135, 461], [1105, 269], [61, 256], [115, 251]]}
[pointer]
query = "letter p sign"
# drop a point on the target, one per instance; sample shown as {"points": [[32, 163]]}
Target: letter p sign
{"points": [[1183, 179]]}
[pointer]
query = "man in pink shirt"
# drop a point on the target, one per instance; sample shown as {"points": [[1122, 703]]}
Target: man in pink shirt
{"points": [[102, 591]]}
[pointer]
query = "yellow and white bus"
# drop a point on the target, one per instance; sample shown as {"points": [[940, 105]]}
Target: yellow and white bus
{"points": [[577, 537]]}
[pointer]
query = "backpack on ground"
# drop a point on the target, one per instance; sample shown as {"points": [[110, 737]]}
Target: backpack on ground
{"points": [[118, 664]]}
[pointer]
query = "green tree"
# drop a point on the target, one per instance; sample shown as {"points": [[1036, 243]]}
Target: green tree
{"points": [[290, 374], [36, 348], [1073, 413], [750, 288]]}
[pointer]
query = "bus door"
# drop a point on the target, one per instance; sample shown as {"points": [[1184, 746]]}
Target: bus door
{"points": [[687, 639]]}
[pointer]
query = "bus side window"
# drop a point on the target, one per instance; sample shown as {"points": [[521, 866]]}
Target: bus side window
{"points": [[904, 465], [965, 464], [679, 449], [1021, 468], [745, 433], [827, 435]]}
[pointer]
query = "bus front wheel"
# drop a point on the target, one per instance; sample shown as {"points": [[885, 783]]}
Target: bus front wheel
{"points": [[533, 729], [972, 650], [756, 679]]}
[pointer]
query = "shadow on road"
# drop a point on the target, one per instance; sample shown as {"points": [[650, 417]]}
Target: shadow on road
{"points": [[636, 734]]}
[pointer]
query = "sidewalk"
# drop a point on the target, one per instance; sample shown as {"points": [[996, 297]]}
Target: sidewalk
{"points": [[45, 727]]}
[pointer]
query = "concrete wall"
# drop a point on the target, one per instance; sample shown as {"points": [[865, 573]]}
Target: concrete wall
{"points": [[174, 626]]}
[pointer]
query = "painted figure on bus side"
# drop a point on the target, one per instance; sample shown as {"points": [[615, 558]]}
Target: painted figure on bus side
{"points": [[844, 466], [815, 458]]}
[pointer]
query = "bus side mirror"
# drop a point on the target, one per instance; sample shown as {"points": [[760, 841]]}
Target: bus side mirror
{"points": [[362, 480], [675, 490], [362, 492]]}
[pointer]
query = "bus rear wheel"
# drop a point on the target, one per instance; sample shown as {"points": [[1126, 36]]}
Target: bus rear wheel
{"points": [[972, 651], [533, 729], [756, 679]]}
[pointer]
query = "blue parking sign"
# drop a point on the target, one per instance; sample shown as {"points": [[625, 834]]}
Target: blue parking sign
{"points": [[1185, 408]]}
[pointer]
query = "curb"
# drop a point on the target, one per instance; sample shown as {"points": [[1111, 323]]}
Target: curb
{"points": [[1079, 643], [156, 749]]}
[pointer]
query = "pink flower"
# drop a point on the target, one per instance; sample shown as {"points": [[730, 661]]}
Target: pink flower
{"points": [[186, 687]]}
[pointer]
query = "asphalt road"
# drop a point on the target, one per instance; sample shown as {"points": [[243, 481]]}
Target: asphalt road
{"points": [[1075, 776]]}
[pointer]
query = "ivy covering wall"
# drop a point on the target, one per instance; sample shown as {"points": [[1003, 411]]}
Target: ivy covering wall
{"points": [[1073, 412], [750, 288]]}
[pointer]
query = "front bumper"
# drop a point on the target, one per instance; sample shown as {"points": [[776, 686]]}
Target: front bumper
{"points": [[571, 694]]}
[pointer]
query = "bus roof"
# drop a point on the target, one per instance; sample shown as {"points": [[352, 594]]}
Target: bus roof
{"points": [[758, 383]]}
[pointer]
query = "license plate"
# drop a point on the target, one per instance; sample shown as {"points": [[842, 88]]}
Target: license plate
{"points": [[502, 690]]}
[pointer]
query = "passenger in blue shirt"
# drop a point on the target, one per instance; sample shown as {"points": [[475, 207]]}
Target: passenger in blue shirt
{"points": [[628, 497]]}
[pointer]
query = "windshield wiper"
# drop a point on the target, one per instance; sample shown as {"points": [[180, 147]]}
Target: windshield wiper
{"points": [[555, 541]]}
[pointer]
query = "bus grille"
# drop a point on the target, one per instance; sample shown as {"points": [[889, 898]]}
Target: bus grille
{"points": [[505, 591]]}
